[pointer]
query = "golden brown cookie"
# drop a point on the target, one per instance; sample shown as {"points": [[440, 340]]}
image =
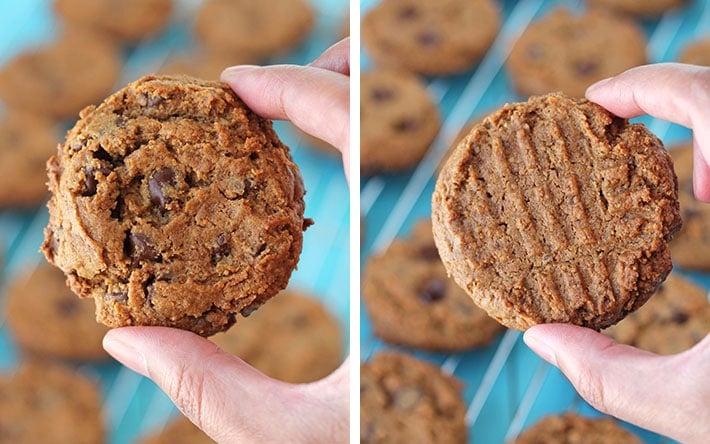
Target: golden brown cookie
{"points": [[640, 8], [571, 428], [173, 204], [26, 142], [565, 52], [399, 120], [47, 319], [412, 301], [690, 248], [293, 338], [49, 403], [403, 399], [697, 53], [675, 318], [129, 20], [61, 78], [430, 37], [554, 210]]}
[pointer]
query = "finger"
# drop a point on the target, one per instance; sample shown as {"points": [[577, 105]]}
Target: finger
{"points": [[659, 393], [669, 91], [225, 397], [336, 58]]}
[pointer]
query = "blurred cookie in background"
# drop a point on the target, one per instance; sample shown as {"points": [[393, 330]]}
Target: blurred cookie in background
{"points": [[568, 52], [697, 53], [577, 429], [293, 338], [258, 28], [413, 302], [47, 319], [640, 8], [430, 37], [675, 318], [399, 120], [125, 20], [61, 78], [49, 403], [26, 142], [690, 247], [204, 64]]}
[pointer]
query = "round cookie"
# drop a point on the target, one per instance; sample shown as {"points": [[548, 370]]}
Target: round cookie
{"points": [[676, 318], [255, 27], [554, 210], [47, 319], [179, 431], [697, 53], [399, 120], [60, 79], [565, 52], [173, 204], [128, 20], [49, 403], [690, 248], [403, 399], [573, 428], [432, 38], [26, 142], [204, 64], [412, 302], [293, 338], [641, 8]]}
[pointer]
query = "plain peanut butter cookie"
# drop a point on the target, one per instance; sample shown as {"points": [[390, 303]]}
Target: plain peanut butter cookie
{"points": [[174, 204]]}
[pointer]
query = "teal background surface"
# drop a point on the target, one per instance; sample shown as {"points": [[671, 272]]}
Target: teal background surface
{"points": [[133, 405], [507, 387]]}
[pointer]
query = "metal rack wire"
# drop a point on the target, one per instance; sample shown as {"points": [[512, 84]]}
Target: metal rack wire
{"points": [[133, 405], [507, 386]]}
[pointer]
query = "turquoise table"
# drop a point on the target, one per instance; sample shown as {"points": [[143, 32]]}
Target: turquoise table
{"points": [[134, 406], [507, 387]]}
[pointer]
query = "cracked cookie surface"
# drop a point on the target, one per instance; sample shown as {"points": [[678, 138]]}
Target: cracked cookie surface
{"points": [[174, 204]]}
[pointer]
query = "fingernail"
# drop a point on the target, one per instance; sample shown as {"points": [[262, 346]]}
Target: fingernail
{"points": [[596, 86], [126, 354], [540, 347], [236, 70]]}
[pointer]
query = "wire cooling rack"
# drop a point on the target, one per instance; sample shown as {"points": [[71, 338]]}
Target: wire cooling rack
{"points": [[507, 387], [133, 405]]}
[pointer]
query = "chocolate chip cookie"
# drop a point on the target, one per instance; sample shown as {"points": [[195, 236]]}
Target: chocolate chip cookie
{"points": [[179, 431], [641, 8], [128, 20], [565, 52], [433, 38], [690, 248], [411, 301], [399, 120], [174, 204], [293, 338], [555, 210], [47, 319], [255, 27], [26, 142], [403, 399], [673, 320], [697, 53], [61, 78], [573, 428], [49, 403]]}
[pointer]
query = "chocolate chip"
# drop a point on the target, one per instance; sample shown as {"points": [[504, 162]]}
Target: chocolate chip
{"points": [[429, 253], [535, 52], [428, 39], [407, 398], [76, 146], [408, 13], [120, 121], [433, 290], [679, 318], [155, 100], [156, 186], [68, 306], [250, 309], [405, 125], [382, 94], [102, 154], [690, 213], [222, 249], [90, 182], [117, 296], [138, 248], [585, 68]]}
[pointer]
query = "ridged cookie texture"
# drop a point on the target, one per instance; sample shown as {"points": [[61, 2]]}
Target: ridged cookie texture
{"points": [[554, 210], [174, 204]]}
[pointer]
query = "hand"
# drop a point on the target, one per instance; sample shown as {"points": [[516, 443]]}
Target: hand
{"points": [[666, 394], [225, 397]]}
